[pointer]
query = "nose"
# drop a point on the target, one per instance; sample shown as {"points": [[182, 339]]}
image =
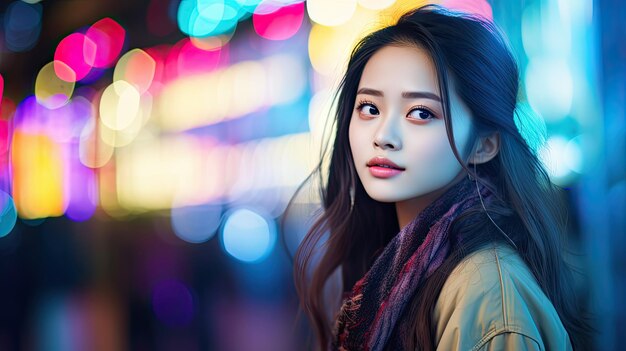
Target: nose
{"points": [[386, 136]]}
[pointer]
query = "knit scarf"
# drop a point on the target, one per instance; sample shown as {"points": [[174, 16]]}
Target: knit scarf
{"points": [[374, 307]]}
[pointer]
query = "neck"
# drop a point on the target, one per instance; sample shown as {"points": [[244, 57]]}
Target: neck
{"points": [[408, 209]]}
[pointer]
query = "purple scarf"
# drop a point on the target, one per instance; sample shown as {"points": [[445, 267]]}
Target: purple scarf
{"points": [[369, 315]]}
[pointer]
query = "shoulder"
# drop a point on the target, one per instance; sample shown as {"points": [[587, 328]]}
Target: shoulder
{"points": [[491, 300]]}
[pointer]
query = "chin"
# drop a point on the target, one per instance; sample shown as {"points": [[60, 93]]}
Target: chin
{"points": [[381, 197]]}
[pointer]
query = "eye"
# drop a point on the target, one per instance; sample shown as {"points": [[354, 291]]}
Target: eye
{"points": [[422, 114], [367, 108]]}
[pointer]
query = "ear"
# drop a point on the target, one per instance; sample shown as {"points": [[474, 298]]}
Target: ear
{"points": [[486, 148]]}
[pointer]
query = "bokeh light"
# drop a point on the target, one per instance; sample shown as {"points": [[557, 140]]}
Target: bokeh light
{"points": [[247, 235], [286, 79], [8, 214], [52, 91], [60, 124], [391, 14], [7, 108], [240, 89], [119, 105], [4, 137], [170, 59], [251, 6], [122, 137], [173, 302], [559, 156], [330, 12], [547, 28], [107, 192], [152, 172], [320, 118], [329, 47], [38, 175], [193, 59], [83, 193], [159, 55], [64, 124], [531, 31], [22, 25], [30, 116], [278, 22], [476, 7], [376, 4], [574, 155], [92, 151], [55, 321], [137, 68], [108, 36], [549, 86], [78, 52], [201, 18], [196, 224], [194, 56], [212, 42]]}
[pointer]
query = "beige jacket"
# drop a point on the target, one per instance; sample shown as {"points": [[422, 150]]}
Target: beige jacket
{"points": [[491, 301]]}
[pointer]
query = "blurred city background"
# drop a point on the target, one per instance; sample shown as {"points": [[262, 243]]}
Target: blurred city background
{"points": [[149, 148]]}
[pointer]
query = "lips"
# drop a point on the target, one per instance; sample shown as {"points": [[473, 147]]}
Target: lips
{"points": [[384, 163]]}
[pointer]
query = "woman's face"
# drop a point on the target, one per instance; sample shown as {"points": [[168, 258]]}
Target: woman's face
{"points": [[398, 116]]}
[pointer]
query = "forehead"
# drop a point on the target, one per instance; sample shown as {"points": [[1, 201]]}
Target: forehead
{"points": [[400, 68]]}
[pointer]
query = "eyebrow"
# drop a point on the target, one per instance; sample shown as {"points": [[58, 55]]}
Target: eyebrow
{"points": [[405, 94]]}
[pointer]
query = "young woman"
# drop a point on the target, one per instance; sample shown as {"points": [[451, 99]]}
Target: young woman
{"points": [[445, 229]]}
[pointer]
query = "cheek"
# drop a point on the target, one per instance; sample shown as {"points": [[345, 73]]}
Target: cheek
{"points": [[430, 148], [461, 139], [462, 128], [432, 160]]}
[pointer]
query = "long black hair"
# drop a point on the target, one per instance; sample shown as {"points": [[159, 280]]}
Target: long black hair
{"points": [[471, 52]]}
